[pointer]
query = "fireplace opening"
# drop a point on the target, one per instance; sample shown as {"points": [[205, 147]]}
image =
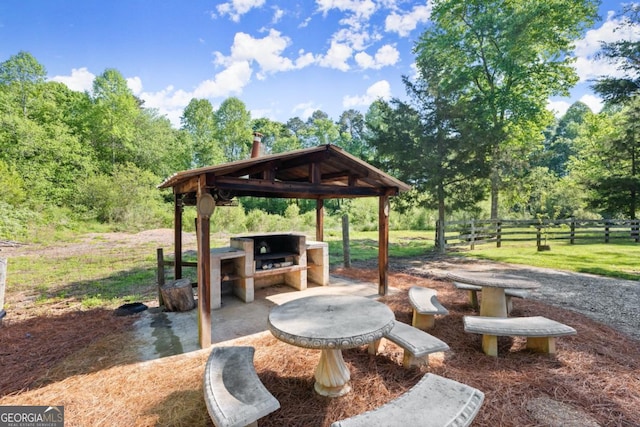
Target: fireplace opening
{"points": [[275, 251]]}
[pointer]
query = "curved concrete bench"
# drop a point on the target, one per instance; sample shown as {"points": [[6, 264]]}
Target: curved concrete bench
{"points": [[434, 401], [234, 394], [474, 289], [425, 306], [417, 344], [541, 332]]}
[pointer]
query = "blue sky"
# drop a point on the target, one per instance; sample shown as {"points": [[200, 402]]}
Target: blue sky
{"points": [[281, 58]]}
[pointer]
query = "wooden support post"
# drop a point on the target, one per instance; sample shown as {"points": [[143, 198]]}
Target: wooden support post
{"points": [[206, 205], [346, 249], [383, 245], [320, 220], [177, 237], [499, 234]]}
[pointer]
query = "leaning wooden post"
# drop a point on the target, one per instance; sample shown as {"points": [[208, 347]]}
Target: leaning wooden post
{"points": [[383, 245], [346, 249], [160, 274], [206, 205]]}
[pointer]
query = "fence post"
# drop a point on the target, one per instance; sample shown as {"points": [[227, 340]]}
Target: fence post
{"points": [[573, 230], [473, 235], [606, 231], [499, 234], [346, 249], [634, 230], [538, 235]]}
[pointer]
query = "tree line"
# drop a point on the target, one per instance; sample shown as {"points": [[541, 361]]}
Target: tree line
{"points": [[473, 136]]}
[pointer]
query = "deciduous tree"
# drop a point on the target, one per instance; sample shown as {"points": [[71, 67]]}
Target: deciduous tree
{"points": [[507, 58]]}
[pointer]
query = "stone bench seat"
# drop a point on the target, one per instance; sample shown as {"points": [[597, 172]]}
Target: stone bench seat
{"points": [[474, 289], [425, 306], [417, 344], [541, 332], [434, 401], [233, 392]]}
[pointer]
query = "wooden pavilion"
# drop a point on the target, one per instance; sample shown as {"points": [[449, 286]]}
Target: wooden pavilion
{"points": [[319, 173]]}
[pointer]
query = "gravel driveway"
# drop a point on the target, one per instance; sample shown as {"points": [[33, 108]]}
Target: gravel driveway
{"points": [[614, 302]]}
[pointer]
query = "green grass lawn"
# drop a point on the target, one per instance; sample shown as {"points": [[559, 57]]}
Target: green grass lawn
{"points": [[363, 245], [620, 259]]}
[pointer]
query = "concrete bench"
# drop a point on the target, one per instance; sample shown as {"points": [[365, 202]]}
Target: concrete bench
{"points": [[417, 344], [425, 306], [434, 401], [541, 332], [474, 289], [234, 394]]}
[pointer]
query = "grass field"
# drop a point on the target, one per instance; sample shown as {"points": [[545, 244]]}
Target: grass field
{"points": [[105, 273]]}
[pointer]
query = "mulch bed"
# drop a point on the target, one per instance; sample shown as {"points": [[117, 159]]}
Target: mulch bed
{"points": [[596, 372]]}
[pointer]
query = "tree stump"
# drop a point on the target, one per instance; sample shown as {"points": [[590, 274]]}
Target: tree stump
{"points": [[178, 295]]}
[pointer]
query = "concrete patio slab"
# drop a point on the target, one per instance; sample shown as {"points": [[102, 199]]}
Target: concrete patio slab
{"points": [[160, 334]]}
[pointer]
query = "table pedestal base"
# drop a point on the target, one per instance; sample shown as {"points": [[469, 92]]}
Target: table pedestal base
{"points": [[332, 374], [494, 302]]}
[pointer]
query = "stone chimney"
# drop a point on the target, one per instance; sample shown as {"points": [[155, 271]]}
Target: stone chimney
{"points": [[256, 149]]}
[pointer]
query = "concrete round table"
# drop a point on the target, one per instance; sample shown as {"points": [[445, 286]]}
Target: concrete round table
{"points": [[331, 323], [494, 302]]}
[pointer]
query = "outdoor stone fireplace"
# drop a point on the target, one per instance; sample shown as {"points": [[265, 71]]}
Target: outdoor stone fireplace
{"points": [[256, 261]]}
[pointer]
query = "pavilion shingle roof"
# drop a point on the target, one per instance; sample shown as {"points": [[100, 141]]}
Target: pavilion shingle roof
{"points": [[321, 172]]}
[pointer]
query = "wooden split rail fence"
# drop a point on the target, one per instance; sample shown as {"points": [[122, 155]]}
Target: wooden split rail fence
{"points": [[472, 232]]}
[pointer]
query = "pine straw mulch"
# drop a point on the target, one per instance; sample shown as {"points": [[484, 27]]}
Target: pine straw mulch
{"points": [[595, 373]]}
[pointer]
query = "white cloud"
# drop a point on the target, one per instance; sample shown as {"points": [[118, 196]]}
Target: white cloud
{"points": [[386, 55], [266, 52], [362, 9], [277, 15], [586, 65], [380, 89], [236, 8], [80, 79], [135, 84], [337, 56], [404, 23], [231, 80], [593, 102], [305, 110], [558, 108], [357, 38]]}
